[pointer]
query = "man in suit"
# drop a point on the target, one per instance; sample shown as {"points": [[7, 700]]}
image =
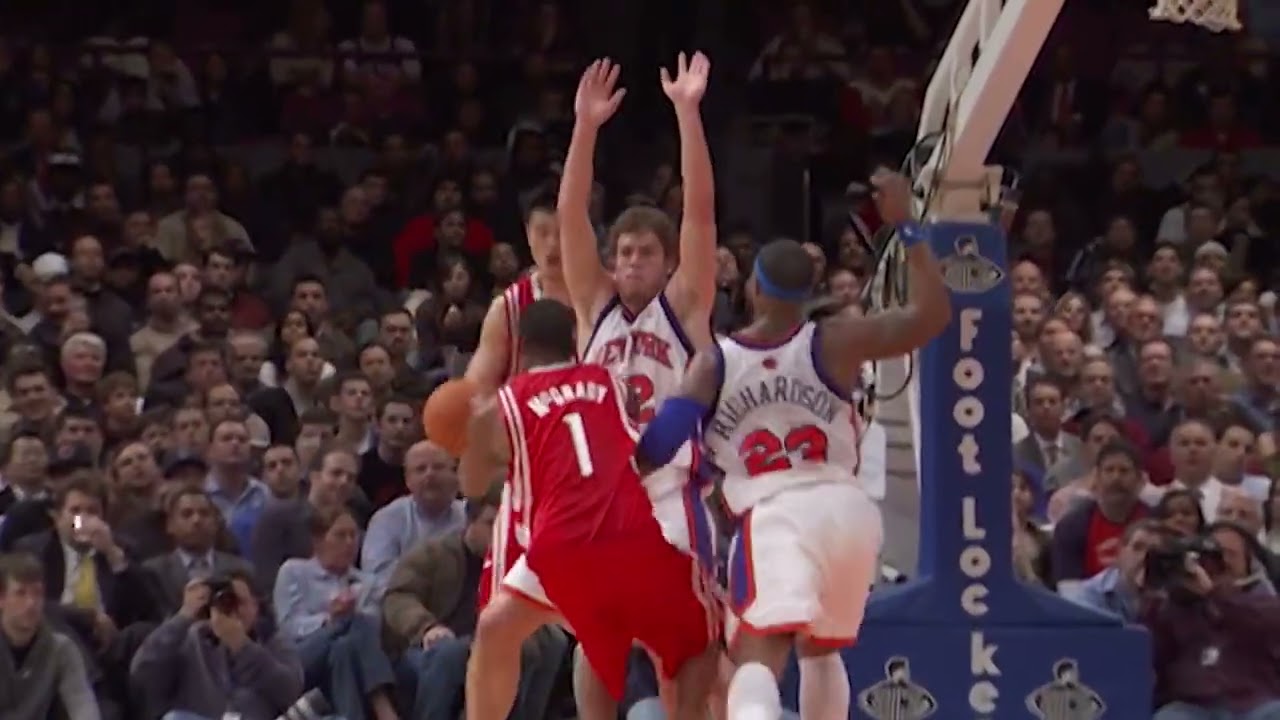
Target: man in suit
{"points": [[191, 521], [1047, 445], [93, 590]]}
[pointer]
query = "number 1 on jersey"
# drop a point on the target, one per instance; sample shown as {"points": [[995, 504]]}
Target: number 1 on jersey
{"points": [[578, 433]]}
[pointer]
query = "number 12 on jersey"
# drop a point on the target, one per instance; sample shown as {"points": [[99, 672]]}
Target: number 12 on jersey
{"points": [[762, 451]]}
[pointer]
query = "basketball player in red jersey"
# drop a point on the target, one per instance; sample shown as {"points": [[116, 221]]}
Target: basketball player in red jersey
{"points": [[497, 357], [603, 564], [646, 318], [772, 404]]}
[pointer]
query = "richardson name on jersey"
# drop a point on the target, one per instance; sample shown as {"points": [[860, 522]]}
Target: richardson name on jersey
{"points": [[794, 391], [562, 395]]}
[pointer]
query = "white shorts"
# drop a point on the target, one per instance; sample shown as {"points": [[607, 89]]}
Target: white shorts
{"points": [[686, 522], [803, 561], [523, 581]]}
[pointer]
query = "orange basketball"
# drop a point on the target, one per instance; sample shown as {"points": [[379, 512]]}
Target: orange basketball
{"points": [[447, 413]]}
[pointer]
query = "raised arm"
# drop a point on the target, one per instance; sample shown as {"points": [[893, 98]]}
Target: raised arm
{"points": [[489, 364], [488, 448], [693, 286], [678, 418], [585, 278], [850, 339]]}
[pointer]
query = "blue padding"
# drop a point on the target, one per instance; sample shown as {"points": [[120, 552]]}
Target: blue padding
{"points": [[677, 421], [967, 635]]}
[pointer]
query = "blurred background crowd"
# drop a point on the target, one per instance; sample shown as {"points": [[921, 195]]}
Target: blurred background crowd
{"points": [[241, 242]]}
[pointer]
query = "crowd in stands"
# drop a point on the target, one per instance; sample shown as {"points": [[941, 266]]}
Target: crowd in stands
{"points": [[228, 280]]}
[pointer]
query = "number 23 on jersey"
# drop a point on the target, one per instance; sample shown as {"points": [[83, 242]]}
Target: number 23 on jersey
{"points": [[762, 451]]}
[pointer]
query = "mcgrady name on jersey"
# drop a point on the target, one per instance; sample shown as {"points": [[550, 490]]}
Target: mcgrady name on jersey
{"points": [[782, 389], [542, 403], [642, 343]]}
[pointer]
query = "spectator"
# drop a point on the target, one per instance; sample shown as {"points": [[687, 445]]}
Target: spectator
{"points": [[281, 533], [1117, 589], [432, 509], [46, 673], [382, 467], [329, 610], [1179, 511], [178, 234], [92, 588], [430, 616], [1088, 537], [209, 658], [1221, 666], [193, 526], [238, 495]]}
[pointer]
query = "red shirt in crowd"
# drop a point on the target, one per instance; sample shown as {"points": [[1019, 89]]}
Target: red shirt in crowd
{"points": [[419, 235], [1104, 538]]}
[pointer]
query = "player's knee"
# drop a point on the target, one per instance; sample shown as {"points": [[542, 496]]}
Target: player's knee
{"points": [[499, 624], [807, 648]]}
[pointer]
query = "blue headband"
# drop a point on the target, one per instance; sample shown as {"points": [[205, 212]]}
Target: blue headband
{"points": [[768, 288]]}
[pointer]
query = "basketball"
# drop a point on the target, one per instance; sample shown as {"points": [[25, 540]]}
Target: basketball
{"points": [[446, 415]]}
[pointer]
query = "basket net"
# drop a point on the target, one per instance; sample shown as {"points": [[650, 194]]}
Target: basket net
{"points": [[1215, 15]]}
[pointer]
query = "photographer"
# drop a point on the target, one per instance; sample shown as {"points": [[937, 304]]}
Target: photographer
{"points": [[205, 660], [1214, 646]]}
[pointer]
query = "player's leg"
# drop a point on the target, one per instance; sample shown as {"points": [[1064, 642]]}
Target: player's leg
{"points": [[753, 690], [774, 595], [847, 537], [589, 693], [493, 672]]}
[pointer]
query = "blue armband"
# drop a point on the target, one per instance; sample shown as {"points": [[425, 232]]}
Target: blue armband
{"points": [[677, 421], [911, 233]]}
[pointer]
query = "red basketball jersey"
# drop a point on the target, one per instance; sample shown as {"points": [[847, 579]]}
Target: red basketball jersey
{"points": [[572, 476], [507, 546]]}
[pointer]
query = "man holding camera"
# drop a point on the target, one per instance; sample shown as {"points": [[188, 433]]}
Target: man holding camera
{"points": [[1214, 645], [206, 660]]}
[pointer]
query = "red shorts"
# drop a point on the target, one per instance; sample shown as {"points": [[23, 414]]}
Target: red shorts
{"points": [[504, 550], [618, 592]]}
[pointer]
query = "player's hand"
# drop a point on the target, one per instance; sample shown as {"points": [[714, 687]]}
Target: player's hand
{"points": [[598, 96], [892, 195], [690, 82], [435, 634]]}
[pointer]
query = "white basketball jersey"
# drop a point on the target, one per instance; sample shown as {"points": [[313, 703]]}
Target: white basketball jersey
{"points": [[779, 421], [650, 352]]}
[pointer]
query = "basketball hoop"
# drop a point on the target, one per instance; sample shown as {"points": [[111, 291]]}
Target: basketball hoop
{"points": [[1215, 15]]}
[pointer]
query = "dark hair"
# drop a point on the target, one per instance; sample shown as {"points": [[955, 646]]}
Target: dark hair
{"points": [[305, 279], [332, 447], [1256, 554], [1161, 510], [787, 265], [345, 376], [1120, 448], [19, 568], [547, 326], [1094, 419], [317, 416], [19, 433], [544, 201], [185, 490], [74, 413], [209, 291], [321, 520], [395, 399], [91, 486], [25, 369]]}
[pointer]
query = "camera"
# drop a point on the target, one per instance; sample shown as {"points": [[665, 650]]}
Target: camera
{"points": [[222, 596], [1166, 566]]}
